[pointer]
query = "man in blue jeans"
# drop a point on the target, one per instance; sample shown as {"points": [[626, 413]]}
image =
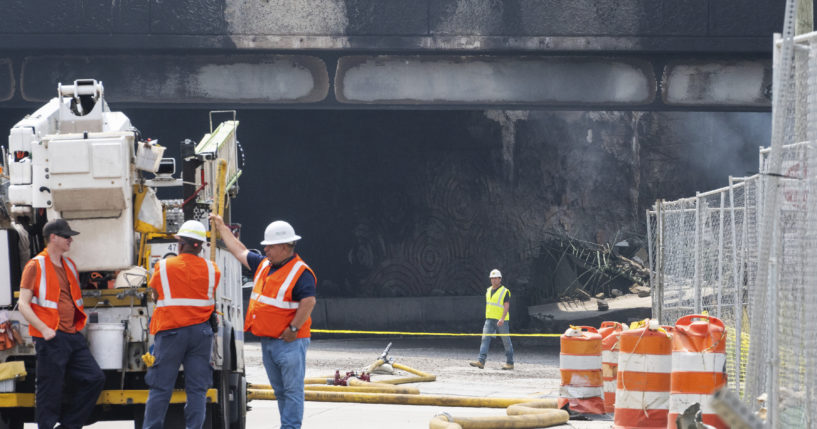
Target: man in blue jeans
{"points": [[497, 313], [279, 311]]}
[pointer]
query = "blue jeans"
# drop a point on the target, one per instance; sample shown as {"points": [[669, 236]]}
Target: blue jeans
{"points": [[286, 366], [488, 331], [191, 346]]}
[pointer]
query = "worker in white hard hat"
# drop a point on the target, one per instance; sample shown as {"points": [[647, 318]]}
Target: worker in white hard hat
{"points": [[184, 287], [497, 313], [279, 312]]}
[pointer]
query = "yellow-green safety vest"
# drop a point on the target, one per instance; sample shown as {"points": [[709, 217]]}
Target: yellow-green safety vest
{"points": [[494, 304]]}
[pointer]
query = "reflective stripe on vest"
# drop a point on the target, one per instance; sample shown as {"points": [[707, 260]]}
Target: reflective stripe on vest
{"points": [[279, 300], [43, 286], [41, 299], [494, 308], [168, 298]]}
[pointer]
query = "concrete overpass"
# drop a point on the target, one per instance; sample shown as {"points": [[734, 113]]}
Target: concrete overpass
{"points": [[347, 54]]}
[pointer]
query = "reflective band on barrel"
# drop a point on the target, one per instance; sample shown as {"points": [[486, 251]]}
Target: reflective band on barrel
{"points": [[610, 386], [638, 400], [569, 362], [698, 362], [580, 392], [644, 363], [679, 402], [609, 357]]}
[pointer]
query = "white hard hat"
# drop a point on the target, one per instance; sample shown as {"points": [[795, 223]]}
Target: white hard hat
{"points": [[495, 273], [279, 232], [193, 229]]}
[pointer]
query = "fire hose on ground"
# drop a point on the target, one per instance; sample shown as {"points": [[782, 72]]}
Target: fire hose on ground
{"points": [[522, 412]]}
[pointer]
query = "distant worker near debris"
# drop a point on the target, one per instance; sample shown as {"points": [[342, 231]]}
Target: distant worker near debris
{"points": [[497, 313], [279, 312]]}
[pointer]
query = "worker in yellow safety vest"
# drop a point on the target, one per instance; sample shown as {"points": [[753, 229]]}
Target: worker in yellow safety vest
{"points": [[497, 313]]}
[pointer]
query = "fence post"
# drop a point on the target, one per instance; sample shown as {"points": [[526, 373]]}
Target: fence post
{"points": [[660, 267], [720, 258], [696, 281], [737, 281]]}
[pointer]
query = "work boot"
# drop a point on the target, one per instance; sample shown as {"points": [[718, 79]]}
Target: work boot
{"points": [[507, 366], [477, 364]]}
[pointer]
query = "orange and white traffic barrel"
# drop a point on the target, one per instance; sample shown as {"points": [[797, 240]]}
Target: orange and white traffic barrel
{"points": [[610, 332], [643, 379], [698, 366], [580, 366]]}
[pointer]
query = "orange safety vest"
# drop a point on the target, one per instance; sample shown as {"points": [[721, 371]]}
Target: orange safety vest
{"points": [[187, 293], [46, 296], [271, 308]]}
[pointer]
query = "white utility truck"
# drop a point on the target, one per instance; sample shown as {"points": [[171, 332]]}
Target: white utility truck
{"points": [[76, 159]]}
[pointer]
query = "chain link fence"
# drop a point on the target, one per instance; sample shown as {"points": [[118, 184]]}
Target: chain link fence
{"points": [[747, 253]]}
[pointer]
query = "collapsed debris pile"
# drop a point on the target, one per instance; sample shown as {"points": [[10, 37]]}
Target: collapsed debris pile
{"points": [[583, 270]]}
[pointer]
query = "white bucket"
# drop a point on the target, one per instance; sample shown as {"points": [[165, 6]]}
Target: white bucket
{"points": [[106, 341]]}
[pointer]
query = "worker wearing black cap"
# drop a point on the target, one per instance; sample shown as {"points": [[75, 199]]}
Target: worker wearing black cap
{"points": [[51, 302]]}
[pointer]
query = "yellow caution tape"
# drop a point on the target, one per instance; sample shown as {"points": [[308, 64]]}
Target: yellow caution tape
{"points": [[436, 334]]}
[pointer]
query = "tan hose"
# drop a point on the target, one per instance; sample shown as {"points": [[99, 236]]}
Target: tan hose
{"points": [[538, 406], [385, 398], [421, 376], [366, 388], [319, 380], [552, 417]]}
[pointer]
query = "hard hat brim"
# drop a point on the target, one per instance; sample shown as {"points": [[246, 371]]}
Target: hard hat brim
{"points": [[288, 240], [191, 236]]}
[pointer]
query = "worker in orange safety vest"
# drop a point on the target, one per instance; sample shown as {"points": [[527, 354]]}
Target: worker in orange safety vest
{"points": [[279, 311], [185, 288], [51, 302]]}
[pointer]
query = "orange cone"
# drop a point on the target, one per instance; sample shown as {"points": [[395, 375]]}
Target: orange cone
{"points": [[580, 366], [698, 366], [644, 373]]}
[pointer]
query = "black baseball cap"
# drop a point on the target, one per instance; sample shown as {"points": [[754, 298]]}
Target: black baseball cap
{"points": [[59, 227]]}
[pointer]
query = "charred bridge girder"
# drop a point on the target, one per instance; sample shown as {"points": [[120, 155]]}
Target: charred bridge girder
{"points": [[338, 54]]}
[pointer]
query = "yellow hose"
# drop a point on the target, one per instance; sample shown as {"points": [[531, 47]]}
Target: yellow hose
{"points": [[366, 388], [538, 406], [319, 380], [550, 418], [400, 399], [421, 376]]}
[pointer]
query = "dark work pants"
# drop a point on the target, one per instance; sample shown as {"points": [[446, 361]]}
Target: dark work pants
{"points": [[189, 346], [66, 359]]}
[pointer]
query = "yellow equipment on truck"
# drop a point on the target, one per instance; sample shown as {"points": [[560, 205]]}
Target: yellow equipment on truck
{"points": [[76, 159]]}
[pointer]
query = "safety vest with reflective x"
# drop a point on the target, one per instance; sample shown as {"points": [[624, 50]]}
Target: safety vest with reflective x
{"points": [[46, 297], [495, 303], [271, 308], [186, 294]]}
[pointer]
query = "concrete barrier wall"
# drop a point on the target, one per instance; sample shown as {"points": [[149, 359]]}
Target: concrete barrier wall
{"points": [[420, 314]]}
